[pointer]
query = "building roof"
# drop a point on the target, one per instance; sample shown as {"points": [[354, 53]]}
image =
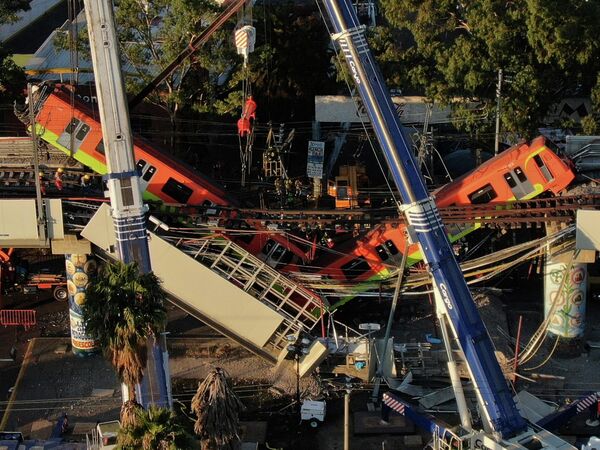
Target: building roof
{"points": [[52, 64], [25, 18]]}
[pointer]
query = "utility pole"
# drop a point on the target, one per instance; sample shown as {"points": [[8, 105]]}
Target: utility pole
{"points": [[127, 208], [498, 101], [347, 416], [41, 216]]}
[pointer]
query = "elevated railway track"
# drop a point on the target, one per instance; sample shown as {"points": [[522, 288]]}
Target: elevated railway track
{"points": [[534, 212]]}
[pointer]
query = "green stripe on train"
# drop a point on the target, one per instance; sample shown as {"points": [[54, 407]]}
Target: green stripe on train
{"points": [[82, 157]]}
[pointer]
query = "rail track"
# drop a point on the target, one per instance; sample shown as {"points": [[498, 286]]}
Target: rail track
{"points": [[20, 182], [535, 212], [17, 153]]}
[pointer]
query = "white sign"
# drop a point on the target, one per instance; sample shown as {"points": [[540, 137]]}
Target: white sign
{"points": [[18, 220], [314, 161]]}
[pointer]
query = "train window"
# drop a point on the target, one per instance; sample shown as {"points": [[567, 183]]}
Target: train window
{"points": [[100, 147], [285, 257], [244, 237], [149, 173], [382, 253], [391, 247], [82, 132], [484, 194], [72, 125], [355, 268], [543, 168], [176, 190], [387, 249], [268, 247], [276, 253], [139, 167], [510, 180], [520, 175]]}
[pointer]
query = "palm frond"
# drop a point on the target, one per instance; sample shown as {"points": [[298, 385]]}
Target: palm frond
{"points": [[217, 407], [123, 308]]}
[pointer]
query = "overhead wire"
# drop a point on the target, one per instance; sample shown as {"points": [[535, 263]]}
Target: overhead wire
{"points": [[538, 337], [351, 91]]}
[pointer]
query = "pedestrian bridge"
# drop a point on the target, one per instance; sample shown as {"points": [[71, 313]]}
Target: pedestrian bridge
{"points": [[229, 289]]}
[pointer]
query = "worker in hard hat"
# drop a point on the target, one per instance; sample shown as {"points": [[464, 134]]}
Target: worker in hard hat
{"points": [[86, 182], [58, 182], [42, 186]]}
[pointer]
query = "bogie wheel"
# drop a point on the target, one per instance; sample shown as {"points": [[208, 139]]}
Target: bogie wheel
{"points": [[60, 293]]}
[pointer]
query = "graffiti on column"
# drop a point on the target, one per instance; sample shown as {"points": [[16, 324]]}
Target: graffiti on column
{"points": [[568, 319], [80, 269]]}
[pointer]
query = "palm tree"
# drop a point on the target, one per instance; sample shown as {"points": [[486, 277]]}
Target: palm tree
{"points": [[155, 429], [123, 308], [217, 407]]}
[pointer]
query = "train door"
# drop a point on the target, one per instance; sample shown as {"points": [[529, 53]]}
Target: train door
{"points": [[520, 186], [145, 172], [76, 131], [543, 168]]}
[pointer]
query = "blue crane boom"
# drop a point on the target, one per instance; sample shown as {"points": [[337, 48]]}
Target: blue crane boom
{"points": [[499, 411]]}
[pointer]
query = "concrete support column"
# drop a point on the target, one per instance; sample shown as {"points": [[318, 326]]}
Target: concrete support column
{"points": [[80, 269], [568, 286]]}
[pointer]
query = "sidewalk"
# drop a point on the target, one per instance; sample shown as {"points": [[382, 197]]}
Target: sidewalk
{"points": [[53, 381]]}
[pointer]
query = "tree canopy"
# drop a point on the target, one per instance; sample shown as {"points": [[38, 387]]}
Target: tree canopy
{"points": [[123, 309], [452, 49], [9, 9], [217, 407], [12, 77], [155, 429]]}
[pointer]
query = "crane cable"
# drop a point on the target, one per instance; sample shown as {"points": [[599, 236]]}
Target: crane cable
{"points": [[74, 66], [245, 16], [356, 105]]}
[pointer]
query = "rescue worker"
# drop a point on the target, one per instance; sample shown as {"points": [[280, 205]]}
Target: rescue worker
{"points": [[248, 112], [42, 186], [85, 182], [58, 182]]}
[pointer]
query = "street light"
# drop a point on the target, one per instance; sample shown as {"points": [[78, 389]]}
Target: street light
{"points": [[297, 347]]}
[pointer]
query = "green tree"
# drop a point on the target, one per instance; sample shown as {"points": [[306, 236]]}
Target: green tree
{"points": [[123, 309], [217, 408], [155, 429], [12, 77], [547, 50], [291, 64], [9, 9], [152, 34], [156, 32]]}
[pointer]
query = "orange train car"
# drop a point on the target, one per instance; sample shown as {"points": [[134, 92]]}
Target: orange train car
{"points": [[162, 177], [521, 172]]}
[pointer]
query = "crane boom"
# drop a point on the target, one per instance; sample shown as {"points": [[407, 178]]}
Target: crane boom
{"points": [[196, 43], [123, 182], [127, 207], [500, 415]]}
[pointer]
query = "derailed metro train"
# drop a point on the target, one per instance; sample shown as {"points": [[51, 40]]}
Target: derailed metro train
{"points": [[64, 122]]}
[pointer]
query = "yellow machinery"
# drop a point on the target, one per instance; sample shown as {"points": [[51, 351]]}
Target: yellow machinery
{"points": [[347, 186]]}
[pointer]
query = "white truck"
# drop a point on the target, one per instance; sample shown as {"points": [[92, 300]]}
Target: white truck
{"points": [[104, 436]]}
